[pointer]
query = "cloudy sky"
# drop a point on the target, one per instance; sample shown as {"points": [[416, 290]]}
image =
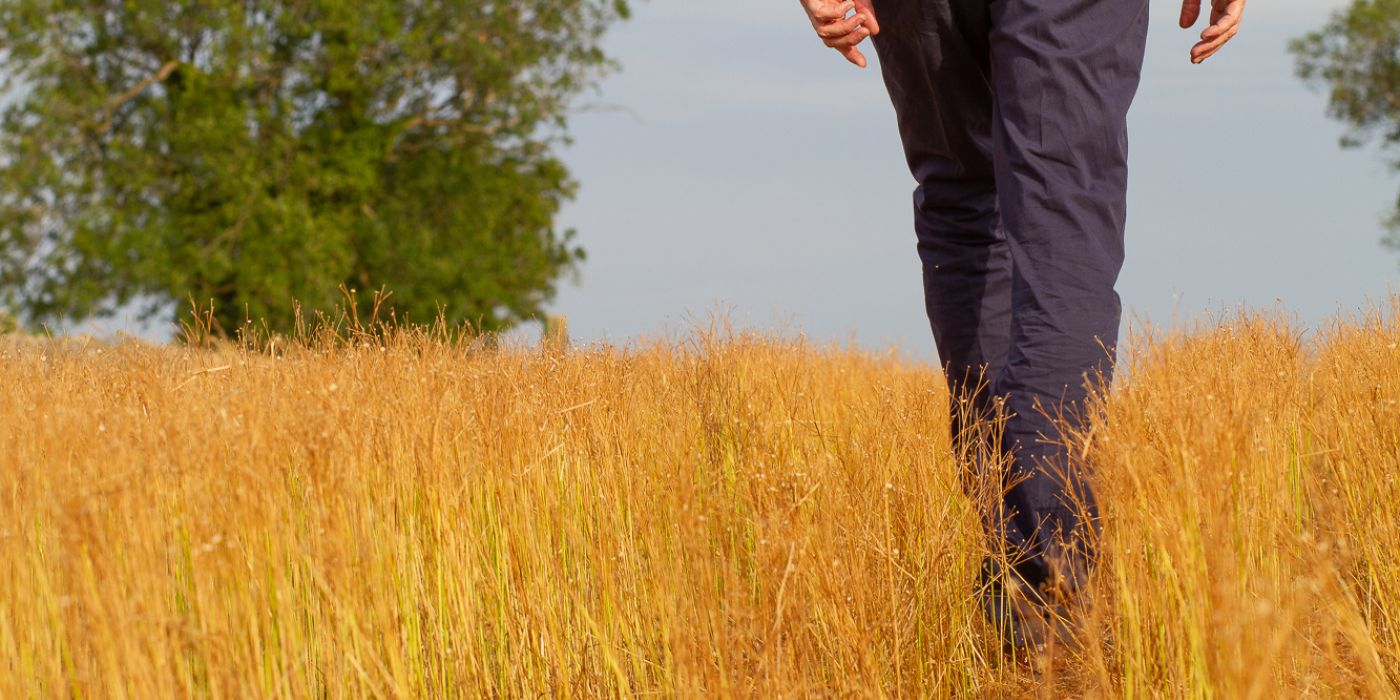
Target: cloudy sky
{"points": [[736, 164]]}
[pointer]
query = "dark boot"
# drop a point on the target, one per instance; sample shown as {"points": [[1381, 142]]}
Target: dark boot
{"points": [[1026, 618]]}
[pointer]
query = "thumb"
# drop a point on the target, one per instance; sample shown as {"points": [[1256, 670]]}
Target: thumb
{"points": [[854, 55], [866, 8], [1190, 12]]}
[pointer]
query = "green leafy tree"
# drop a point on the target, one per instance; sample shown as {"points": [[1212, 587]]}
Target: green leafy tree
{"points": [[1356, 58], [262, 154]]}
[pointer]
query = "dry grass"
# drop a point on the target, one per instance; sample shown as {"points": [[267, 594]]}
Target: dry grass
{"points": [[731, 515]]}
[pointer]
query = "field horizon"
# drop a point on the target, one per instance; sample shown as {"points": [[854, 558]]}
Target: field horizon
{"points": [[397, 513]]}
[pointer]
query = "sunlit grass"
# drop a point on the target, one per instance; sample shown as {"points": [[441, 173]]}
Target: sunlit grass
{"points": [[395, 515]]}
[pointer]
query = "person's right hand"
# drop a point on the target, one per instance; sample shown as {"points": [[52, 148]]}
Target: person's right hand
{"points": [[839, 31]]}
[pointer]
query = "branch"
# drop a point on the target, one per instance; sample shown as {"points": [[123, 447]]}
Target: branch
{"points": [[489, 130], [109, 111]]}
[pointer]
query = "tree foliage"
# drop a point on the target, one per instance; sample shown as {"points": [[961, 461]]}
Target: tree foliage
{"points": [[261, 154], [1356, 58]]}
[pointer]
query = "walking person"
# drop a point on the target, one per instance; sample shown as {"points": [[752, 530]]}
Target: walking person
{"points": [[1013, 116]]}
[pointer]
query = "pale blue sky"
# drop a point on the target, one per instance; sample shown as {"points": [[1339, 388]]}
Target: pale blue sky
{"points": [[735, 163]]}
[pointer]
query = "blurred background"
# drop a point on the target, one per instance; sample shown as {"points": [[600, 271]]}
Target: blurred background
{"points": [[733, 164]]}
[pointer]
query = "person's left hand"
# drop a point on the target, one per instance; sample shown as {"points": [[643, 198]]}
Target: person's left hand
{"points": [[1224, 25], [839, 31]]}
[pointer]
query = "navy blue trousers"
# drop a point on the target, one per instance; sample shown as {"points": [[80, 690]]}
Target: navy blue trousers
{"points": [[1013, 115]]}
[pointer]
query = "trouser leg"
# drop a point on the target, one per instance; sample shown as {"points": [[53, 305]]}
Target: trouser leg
{"points": [[1063, 74], [935, 60]]}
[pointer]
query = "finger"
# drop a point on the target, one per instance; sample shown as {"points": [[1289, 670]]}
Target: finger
{"points": [[1226, 21], [842, 43], [1205, 49], [1215, 36], [854, 55], [864, 7], [1190, 12], [832, 30], [822, 12]]}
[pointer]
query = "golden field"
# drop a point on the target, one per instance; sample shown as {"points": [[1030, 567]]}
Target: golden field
{"points": [[393, 515]]}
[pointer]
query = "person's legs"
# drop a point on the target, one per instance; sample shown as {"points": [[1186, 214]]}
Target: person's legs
{"points": [[936, 65], [1012, 114], [1063, 73]]}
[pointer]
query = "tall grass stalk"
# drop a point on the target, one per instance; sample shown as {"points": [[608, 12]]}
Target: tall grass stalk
{"points": [[416, 514]]}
